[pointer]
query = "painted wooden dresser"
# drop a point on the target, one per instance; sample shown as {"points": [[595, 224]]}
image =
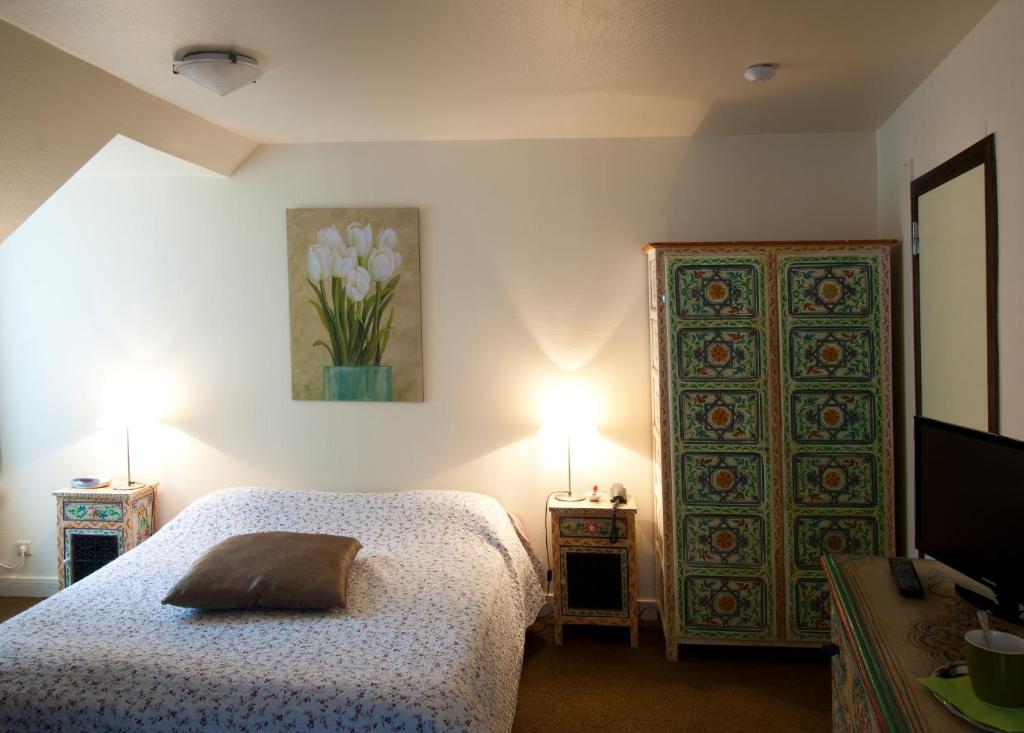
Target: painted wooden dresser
{"points": [[594, 572], [96, 525], [772, 428], [885, 643]]}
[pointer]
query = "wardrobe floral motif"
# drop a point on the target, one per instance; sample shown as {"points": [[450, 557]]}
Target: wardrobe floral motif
{"points": [[355, 304], [772, 405]]}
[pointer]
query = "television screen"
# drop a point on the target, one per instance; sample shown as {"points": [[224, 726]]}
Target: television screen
{"points": [[970, 503]]}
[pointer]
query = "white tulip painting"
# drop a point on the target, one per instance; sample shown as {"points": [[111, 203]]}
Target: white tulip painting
{"points": [[355, 304]]}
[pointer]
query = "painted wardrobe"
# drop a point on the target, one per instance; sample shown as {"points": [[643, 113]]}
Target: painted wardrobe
{"points": [[771, 383]]}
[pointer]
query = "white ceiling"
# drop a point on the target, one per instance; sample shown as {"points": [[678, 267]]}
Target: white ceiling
{"points": [[339, 70]]}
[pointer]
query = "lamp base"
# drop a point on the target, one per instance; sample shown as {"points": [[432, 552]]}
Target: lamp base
{"points": [[126, 485], [566, 496]]}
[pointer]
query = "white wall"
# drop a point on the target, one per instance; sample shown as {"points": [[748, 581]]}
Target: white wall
{"points": [[532, 272], [975, 91]]}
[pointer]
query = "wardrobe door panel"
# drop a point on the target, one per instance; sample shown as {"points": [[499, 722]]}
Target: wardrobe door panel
{"points": [[812, 611], [725, 606], [723, 479], [837, 421], [721, 403]]}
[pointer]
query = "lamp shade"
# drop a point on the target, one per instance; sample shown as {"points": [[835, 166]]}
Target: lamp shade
{"points": [[222, 72], [569, 410], [134, 401]]}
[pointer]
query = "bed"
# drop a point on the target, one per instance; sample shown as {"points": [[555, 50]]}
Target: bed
{"points": [[439, 598]]}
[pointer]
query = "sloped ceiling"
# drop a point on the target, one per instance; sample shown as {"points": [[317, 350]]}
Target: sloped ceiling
{"points": [[350, 70], [56, 111]]}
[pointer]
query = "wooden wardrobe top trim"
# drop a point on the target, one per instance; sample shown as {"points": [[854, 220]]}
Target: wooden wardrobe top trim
{"points": [[653, 246]]}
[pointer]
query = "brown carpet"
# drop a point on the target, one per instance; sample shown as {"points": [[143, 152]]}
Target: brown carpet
{"points": [[595, 682], [569, 689], [12, 606]]}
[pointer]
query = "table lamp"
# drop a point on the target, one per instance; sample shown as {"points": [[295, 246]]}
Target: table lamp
{"points": [[568, 411], [131, 404]]}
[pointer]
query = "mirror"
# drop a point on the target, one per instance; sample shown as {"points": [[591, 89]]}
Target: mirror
{"points": [[956, 355]]}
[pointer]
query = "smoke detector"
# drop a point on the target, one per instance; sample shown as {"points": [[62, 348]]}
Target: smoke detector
{"points": [[759, 72], [222, 72]]}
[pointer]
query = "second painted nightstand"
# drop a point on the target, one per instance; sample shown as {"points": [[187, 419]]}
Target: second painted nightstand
{"points": [[94, 526], [594, 578]]}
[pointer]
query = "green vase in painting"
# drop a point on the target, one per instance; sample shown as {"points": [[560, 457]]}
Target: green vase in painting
{"points": [[358, 383]]}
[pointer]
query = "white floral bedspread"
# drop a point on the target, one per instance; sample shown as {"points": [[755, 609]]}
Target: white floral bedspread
{"points": [[439, 598]]}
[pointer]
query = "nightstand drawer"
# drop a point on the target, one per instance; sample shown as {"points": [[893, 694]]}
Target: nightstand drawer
{"points": [[93, 511], [584, 527]]}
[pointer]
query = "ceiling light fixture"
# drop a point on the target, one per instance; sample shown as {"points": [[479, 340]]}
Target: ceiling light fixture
{"points": [[222, 72], [759, 72]]}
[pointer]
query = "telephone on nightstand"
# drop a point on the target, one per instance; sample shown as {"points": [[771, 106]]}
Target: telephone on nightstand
{"points": [[618, 498]]}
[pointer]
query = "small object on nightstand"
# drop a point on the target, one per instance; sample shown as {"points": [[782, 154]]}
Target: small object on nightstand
{"points": [[95, 526], [594, 495], [594, 564], [90, 482]]}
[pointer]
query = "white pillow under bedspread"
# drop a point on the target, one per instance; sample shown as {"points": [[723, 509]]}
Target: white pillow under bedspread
{"points": [[432, 639]]}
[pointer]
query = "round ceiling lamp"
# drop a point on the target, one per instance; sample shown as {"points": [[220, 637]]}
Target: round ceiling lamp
{"points": [[759, 72], [222, 72]]}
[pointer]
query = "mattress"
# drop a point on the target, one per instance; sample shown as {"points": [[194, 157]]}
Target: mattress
{"points": [[439, 598]]}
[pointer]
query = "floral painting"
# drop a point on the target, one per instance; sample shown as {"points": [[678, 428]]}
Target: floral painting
{"points": [[354, 292]]}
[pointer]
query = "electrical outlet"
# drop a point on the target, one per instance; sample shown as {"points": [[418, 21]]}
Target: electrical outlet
{"points": [[23, 547]]}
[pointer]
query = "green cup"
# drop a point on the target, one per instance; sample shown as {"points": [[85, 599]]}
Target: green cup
{"points": [[997, 672]]}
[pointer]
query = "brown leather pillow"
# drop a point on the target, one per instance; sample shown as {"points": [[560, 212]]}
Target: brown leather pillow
{"points": [[269, 570]]}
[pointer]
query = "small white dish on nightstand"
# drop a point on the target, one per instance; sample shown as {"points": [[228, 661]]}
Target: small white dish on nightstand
{"points": [[90, 482]]}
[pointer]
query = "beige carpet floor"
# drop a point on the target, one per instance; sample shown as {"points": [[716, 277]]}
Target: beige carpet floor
{"points": [[596, 683], [12, 606]]}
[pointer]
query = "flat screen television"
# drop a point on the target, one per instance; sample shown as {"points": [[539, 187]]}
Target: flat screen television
{"points": [[969, 493]]}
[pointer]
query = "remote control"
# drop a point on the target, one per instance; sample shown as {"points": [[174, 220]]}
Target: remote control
{"points": [[906, 577]]}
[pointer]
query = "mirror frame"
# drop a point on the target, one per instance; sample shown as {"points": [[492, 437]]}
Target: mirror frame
{"points": [[981, 153]]}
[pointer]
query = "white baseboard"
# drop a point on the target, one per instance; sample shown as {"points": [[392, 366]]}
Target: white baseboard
{"points": [[28, 587]]}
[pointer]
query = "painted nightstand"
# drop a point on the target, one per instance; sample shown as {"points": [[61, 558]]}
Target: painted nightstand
{"points": [[594, 578], [94, 526]]}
